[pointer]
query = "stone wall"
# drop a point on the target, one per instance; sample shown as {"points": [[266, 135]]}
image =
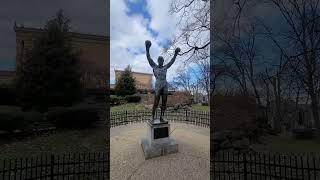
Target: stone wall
{"points": [[230, 112]]}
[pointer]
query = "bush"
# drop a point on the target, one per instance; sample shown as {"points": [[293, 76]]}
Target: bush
{"points": [[7, 95], [303, 133], [12, 118], [125, 84], [133, 98], [33, 116], [78, 116], [115, 100], [112, 92], [204, 104]]}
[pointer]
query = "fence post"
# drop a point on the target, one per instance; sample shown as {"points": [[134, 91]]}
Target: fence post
{"points": [[52, 167], [126, 121], [244, 166], [4, 169], [186, 115]]}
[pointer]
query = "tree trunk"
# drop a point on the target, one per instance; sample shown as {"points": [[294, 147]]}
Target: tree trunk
{"points": [[268, 102], [256, 92], [314, 107], [277, 96]]}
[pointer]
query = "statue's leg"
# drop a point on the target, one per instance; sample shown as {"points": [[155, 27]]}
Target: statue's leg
{"points": [[163, 104], [155, 105]]}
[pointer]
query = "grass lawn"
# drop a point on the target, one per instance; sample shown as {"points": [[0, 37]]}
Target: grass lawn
{"points": [[199, 107], [283, 144], [128, 107], [59, 142]]}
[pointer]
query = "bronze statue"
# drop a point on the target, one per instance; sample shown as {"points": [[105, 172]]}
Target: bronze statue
{"points": [[161, 86]]}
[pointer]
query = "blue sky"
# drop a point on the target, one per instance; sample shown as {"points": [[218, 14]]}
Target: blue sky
{"points": [[139, 7], [134, 21]]}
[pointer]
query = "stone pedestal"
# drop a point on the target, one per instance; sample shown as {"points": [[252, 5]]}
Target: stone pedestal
{"points": [[158, 141]]}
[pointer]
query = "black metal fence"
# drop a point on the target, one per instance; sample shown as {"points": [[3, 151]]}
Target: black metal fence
{"points": [[232, 165], [200, 118], [66, 166]]}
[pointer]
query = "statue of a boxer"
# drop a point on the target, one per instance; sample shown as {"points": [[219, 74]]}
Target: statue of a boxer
{"points": [[161, 86]]}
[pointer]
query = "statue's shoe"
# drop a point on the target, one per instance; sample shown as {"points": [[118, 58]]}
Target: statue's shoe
{"points": [[161, 119]]}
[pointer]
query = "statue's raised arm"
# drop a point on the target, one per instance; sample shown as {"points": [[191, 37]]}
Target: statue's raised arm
{"points": [[151, 62], [176, 52]]}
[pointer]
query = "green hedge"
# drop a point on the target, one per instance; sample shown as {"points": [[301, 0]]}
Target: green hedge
{"points": [[115, 100], [303, 133], [133, 98], [205, 104], [7, 95], [12, 118], [74, 117]]}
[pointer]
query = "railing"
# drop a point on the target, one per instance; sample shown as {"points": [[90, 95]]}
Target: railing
{"points": [[67, 166], [231, 165], [200, 118]]}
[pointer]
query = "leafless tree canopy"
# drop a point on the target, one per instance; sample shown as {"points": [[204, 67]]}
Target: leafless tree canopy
{"points": [[289, 73], [267, 49], [193, 27]]}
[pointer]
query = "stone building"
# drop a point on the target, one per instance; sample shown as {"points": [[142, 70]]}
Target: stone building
{"points": [[143, 80], [93, 49]]}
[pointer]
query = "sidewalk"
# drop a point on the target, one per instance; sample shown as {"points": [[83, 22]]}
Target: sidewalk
{"points": [[191, 162]]}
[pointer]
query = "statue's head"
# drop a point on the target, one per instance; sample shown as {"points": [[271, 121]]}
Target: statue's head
{"points": [[160, 61]]}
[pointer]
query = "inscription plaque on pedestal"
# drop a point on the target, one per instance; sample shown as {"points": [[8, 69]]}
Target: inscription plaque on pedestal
{"points": [[161, 132], [158, 141]]}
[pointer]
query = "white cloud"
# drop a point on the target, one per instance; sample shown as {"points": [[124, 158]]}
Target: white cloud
{"points": [[161, 20], [128, 34]]}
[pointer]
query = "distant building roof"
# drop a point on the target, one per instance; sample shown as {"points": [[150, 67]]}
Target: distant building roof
{"points": [[72, 34], [116, 70]]}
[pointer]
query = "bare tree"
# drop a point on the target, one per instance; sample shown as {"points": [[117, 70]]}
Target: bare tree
{"points": [[183, 80], [204, 76], [231, 57], [302, 44], [241, 55], [250, 51], [194, 27]]}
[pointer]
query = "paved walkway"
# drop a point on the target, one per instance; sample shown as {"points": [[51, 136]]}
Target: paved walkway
{"points": [[191, 162]]}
